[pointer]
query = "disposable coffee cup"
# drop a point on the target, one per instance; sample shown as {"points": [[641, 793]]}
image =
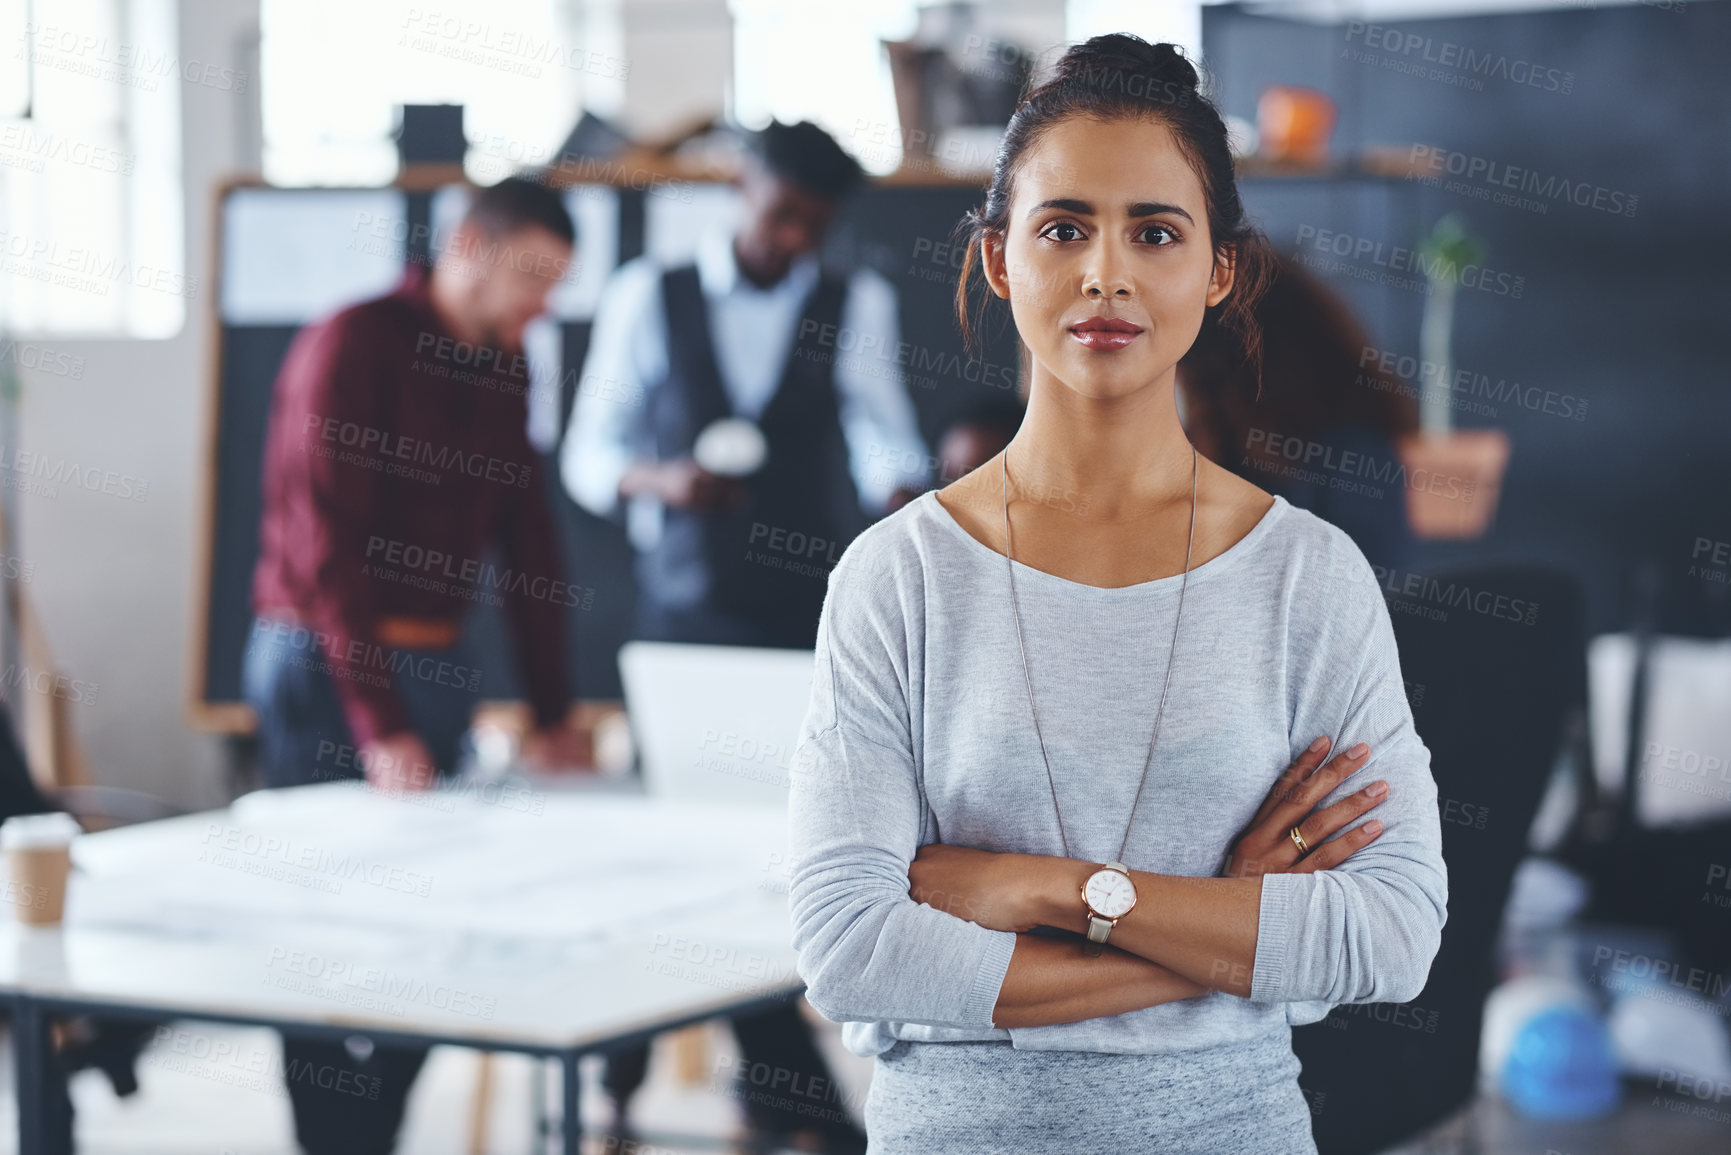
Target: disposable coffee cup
{"points": [[38, 849], [730, 447]]}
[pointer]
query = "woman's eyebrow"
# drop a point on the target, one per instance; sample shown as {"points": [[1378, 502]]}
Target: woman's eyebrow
{"points": [[1084, 209]]}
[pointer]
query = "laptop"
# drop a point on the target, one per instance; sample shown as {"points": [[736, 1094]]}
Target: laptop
{"points": [[716, 722]]}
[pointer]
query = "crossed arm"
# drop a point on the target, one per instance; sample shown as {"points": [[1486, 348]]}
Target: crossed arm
{"points": [[1185, 936]]}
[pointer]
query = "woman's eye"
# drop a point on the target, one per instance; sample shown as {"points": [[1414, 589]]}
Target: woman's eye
{"points": [[1061, 225], [1171, 237]]}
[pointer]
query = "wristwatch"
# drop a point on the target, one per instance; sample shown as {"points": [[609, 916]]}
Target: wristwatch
{"points": [[1108, 896]]}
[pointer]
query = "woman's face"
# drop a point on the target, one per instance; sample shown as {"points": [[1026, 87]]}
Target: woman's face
{"points": [[1107, 222]]}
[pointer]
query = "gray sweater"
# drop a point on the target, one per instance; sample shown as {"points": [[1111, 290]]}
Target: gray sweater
{"points": [[918, 731]]}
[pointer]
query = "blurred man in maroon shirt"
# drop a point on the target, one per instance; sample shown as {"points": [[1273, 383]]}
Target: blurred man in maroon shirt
{"points": [[397, 454]]}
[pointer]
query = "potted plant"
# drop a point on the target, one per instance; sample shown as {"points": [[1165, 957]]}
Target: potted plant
{"points": [[1454, 475]]}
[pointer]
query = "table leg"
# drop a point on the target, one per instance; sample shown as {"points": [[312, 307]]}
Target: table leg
{"points": [[30, 1051], [571, 1119]]}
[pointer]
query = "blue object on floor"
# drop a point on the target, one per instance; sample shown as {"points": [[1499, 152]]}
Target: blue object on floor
{"points": [[1562, 1066]]}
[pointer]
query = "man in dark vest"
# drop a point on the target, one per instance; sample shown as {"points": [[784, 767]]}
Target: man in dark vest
{"points": [[751, 329], [744, 412]]}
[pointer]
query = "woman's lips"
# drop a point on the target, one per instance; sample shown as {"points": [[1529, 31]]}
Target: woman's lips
{"points": [[1095, 336]]}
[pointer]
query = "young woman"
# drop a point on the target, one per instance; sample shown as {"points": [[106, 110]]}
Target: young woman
{"points": [[1067, 858]]}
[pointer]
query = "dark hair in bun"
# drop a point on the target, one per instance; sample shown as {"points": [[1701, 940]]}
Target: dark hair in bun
{"points": [[1123, 76]]}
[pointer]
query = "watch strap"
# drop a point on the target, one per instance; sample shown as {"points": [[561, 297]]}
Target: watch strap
{"points": [[1098, 929]]}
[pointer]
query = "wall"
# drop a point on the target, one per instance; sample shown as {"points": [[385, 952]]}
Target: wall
{"points": [[114, 580], [1624, 309]]}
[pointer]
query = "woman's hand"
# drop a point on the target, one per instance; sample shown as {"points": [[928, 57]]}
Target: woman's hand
{"points": [[1266, 846], [997, 891], [1017, 892]]}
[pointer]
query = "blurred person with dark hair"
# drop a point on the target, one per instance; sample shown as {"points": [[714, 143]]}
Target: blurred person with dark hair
{"points": [[1320, 397], [976, 435], [971, 437], [752, 332], [397, 454]]}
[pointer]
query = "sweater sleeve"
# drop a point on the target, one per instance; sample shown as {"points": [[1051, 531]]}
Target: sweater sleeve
{"points": [[1367, 930], [867, 951], [333, 376]]}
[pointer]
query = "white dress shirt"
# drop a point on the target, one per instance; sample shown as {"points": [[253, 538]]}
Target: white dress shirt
{"points": [[752, 330]]}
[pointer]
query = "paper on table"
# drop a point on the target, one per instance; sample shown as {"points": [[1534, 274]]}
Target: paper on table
{"points": [[582, 867]]}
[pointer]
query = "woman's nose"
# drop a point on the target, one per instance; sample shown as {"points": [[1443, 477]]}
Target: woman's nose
{"points": [[1107, 276]]}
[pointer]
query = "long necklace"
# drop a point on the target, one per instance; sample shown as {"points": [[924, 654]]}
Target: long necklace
{"points": [[1016, 607]]}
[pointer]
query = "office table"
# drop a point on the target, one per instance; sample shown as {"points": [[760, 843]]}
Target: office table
{"points": [[555, 923]]}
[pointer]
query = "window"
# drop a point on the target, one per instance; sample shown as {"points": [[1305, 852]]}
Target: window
{"points": [[795, 60], [15, 78], [335, 74], [92, 217]]}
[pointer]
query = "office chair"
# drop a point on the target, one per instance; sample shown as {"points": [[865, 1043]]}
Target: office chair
{"points": [[1492, 698], [1650, 876], [110, 1047]]}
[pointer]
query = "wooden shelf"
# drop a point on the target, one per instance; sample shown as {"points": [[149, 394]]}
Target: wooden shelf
{"points": [[1378, 163]]}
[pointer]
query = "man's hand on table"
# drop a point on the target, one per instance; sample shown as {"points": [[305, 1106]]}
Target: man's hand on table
{"points": [[560, 747], [398, 762]]}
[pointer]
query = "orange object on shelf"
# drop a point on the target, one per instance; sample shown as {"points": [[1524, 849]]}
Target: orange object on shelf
{"points": [[1294, 125]]}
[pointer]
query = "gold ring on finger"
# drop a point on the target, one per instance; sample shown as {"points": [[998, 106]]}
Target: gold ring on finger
{"points": [[1298, 841]]}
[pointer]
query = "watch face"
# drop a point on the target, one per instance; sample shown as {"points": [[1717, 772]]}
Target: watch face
{"points": [[1109, 893]]}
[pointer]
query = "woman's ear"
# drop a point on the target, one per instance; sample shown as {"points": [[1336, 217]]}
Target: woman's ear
{"points": [[992, 265], [1220, 281]]}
